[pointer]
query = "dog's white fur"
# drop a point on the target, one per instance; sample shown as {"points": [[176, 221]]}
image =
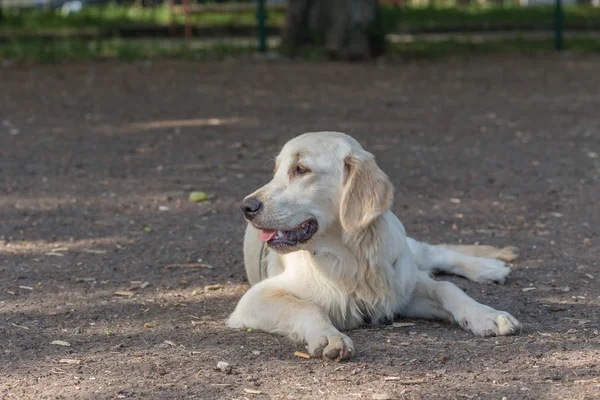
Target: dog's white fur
{"points": [[360, 265]]}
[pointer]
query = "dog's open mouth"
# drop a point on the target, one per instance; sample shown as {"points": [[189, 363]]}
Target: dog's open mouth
{"points": [[282, 239]]}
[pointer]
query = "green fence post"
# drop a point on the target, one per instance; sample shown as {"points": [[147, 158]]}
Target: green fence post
{"points": [[559, 16], [261, 16]]}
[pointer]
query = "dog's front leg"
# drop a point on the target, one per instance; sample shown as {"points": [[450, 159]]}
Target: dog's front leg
{"points": [[444, 300], [268, 306]]}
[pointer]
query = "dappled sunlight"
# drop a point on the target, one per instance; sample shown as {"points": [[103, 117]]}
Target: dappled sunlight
{"points": [[105, 294], [37, 203], [571, 359], [108, 198], [571, 300], [165, 124], [59, 248]]}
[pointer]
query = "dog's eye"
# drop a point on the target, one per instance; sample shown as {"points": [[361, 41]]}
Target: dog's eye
{"points": [[301, 170]]}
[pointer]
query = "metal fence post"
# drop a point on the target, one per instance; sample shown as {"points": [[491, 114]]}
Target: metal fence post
{"points": [[559, 16], [261, 16]]}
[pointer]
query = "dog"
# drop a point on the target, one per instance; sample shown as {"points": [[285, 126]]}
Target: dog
{"points": [[324, 253]]}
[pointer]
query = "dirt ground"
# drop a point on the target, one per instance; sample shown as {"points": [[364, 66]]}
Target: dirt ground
{"points": [[97, 161]]}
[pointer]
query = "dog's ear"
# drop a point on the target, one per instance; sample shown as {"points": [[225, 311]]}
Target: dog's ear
{"points": [[367, 192]]}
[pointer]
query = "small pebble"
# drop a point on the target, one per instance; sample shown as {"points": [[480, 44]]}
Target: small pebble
{"points": [[224, 367]]}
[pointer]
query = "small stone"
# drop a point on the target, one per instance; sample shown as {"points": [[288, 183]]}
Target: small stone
{"points": [[224, 367]]}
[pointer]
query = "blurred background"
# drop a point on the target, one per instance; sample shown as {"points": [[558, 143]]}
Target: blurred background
{"points": [[197, 29]]}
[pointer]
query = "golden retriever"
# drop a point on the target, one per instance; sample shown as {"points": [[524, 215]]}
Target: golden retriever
{"points": [[324, 253]]}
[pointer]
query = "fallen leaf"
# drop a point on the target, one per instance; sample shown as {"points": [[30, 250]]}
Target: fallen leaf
{"points": [[301, 355], [252, 391], [413, 382], [61, 343], [165, 385], [193, 265], [126, 293], [577, 320], [104, 223], [59, 249], [198, 196], [381, 396], [69, 361], [403, 324], [584, 381], [85, 279], [92, 251], [213, 287]]}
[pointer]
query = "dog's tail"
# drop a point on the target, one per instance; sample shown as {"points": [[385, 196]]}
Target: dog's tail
{"points": [[504, 254]]}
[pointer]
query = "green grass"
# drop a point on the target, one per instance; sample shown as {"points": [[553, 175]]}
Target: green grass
{"points": [[394, 19], [130, 50], [112, 16], [44, 51], [454, 48]]}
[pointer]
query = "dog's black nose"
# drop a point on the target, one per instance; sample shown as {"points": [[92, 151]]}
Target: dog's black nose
{"points": [[251, 207]]}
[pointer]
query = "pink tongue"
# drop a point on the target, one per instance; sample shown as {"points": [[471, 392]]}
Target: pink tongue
{"points": [[265, 236]]}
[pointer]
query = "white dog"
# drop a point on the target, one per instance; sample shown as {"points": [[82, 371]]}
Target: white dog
{"points": [[324, 253]]}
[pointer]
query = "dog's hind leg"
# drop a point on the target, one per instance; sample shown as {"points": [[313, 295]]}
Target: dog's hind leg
{"points": [[507, 254], [464, 261]]}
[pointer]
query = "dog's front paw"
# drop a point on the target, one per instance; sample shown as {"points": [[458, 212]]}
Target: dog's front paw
{"points": [[490, 322], [334, 346]]}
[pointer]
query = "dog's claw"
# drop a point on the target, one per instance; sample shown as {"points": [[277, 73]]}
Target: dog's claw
{"points": [[337, 347], [490, 322]]}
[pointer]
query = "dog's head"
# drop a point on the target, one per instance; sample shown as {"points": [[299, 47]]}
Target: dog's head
{"points": [[322, 180]]}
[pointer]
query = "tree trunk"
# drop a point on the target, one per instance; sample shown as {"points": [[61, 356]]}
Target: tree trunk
{"points": [[349, 29]]}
